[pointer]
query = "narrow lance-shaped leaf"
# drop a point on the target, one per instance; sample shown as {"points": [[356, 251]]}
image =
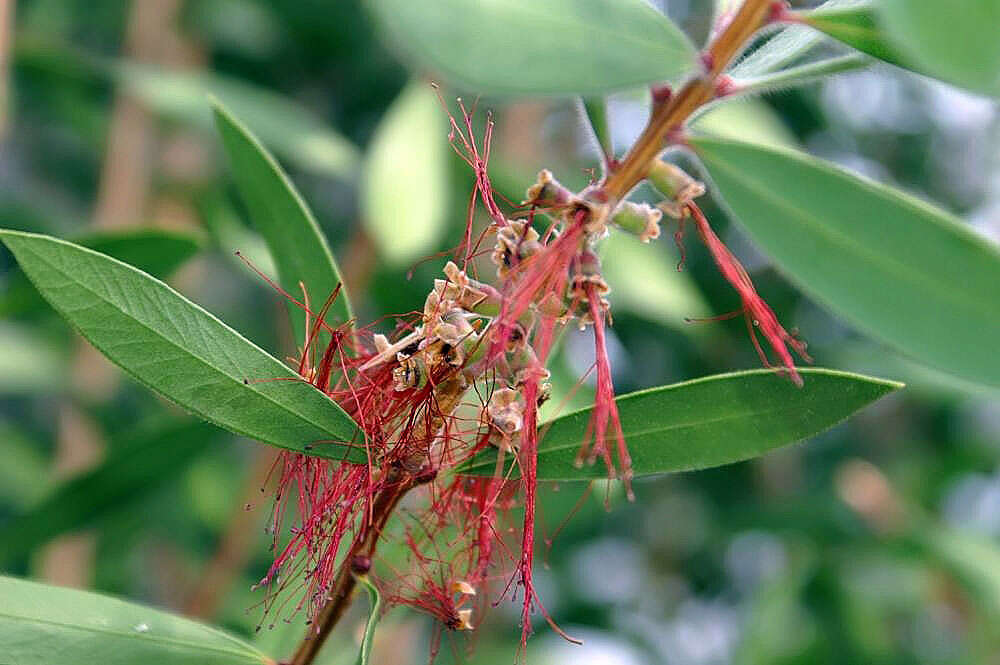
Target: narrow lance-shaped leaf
{"points": [[706, 422], [787, 47], [953, 41], [297, 245], [154, 251], [289, 128], [858, 27], [896, 267], [405, 187], [138, 465], [528, 47], [747, 118], [47, 625], [181, 351], [956, 41], [798, 75]]}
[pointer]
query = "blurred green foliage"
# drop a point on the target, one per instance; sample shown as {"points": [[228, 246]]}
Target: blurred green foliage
{"points": [[759, 562]]}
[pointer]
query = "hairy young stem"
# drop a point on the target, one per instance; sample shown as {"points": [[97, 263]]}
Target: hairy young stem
{"points": [[670, 115]]}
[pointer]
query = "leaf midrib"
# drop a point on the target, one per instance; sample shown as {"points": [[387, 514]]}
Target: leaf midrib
{"points": [[665, 428], [238, 382]]}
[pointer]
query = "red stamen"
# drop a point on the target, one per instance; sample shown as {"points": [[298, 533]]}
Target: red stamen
{"points": [[759, 315]]}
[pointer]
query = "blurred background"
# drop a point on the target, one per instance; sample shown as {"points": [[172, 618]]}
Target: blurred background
{"points": [[877, 542]]}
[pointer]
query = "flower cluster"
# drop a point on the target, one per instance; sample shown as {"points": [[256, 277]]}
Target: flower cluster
{"points": [[463, 376]]}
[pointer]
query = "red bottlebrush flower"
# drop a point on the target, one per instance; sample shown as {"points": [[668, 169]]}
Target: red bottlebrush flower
{"points": [[404, 396], [757, 312]]}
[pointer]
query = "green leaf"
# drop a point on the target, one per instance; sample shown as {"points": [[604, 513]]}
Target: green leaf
{"points": [[956, 41], [786, 47], [375, 600], [46, 625], [405, 187], [797, 75], [155, 251], [706, 422], [297, 245], [229, 232], [855, 26], [904, 271], [181, 351], [747, 118], [516, 47], [290, 129], [158, 252], [137, 466]]}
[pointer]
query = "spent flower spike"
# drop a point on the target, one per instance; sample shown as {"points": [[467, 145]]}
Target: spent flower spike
{"points": [[476, 346]]}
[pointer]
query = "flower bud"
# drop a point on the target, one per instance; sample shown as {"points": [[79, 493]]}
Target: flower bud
{"points": [[679, 188], [639, 219], [595, 201], [547, 192]]}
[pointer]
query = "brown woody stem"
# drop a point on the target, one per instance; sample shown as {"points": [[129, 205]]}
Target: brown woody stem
{"points": [[669, 116], [448, 394], [343, 587]]}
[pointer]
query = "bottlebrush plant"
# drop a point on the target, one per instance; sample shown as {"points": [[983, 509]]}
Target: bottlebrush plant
{"points": [[424, 434]]}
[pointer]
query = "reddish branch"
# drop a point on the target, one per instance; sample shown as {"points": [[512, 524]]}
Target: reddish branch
{"points": [[669, 114], [360, 553]]}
